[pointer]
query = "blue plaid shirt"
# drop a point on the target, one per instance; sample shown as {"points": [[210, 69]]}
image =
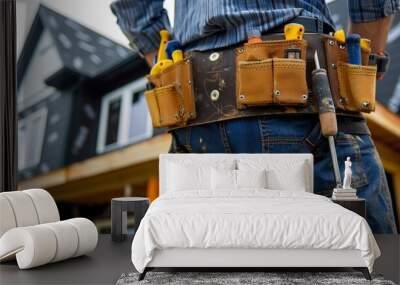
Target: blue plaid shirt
{"points": [[208, 24]]}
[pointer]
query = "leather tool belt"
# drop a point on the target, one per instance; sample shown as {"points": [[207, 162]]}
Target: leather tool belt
{"points": [[258, 79]]}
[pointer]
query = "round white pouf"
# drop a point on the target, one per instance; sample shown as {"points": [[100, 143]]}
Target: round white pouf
{"points": [[23, 208], [45, 205]]}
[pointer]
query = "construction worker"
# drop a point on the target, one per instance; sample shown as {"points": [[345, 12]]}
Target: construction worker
{"points": [[216, 29]]}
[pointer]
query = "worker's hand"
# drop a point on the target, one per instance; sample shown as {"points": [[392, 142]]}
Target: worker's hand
{"points": [[150, 57], [377, 31]]}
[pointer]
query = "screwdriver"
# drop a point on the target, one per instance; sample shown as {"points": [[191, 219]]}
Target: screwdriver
{"points": [[174, 51], [327, 115], [340, 36], [353, 48], [293, 31], [162, 58], [365, 44]]}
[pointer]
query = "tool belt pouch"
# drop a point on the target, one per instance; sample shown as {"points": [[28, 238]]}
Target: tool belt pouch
{"points": [[353, 86], [265, 77], [171, 101]]}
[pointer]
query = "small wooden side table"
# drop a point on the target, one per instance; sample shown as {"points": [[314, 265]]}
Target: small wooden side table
{"points": [[119, 215], [358, 206]]}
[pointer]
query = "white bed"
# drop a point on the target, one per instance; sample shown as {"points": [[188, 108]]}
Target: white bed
{"points": [[197, 226]]}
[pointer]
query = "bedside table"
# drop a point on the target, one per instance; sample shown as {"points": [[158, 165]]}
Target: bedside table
{"points": [[119, 219], [358, 205]]}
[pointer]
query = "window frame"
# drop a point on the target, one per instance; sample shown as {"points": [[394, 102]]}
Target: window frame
{"points": [[28, 133], [125, 93]]}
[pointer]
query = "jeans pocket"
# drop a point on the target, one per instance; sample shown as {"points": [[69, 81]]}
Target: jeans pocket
{"points": [[347, 145]]}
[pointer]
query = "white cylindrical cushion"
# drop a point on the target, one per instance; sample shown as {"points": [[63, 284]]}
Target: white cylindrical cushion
{"points": [[45, 205], [67, 239], [7, 218], [23, 208], [41, 244], [33, 246], [87, 235]]}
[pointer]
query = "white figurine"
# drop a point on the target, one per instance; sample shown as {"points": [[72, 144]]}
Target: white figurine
{"points": [[347, 174]]}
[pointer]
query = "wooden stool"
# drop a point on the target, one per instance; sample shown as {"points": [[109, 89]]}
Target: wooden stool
{"points": [[119, 215]]}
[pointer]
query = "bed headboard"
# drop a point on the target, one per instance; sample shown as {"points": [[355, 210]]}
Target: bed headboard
{"points": [[210, 158]]}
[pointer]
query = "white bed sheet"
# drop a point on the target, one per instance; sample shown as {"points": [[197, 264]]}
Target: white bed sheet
{"points": [[252, 218]]}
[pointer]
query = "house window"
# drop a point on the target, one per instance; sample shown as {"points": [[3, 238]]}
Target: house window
{"points": [[140, 126], [124, 117], [114, 111], [31, 131]]}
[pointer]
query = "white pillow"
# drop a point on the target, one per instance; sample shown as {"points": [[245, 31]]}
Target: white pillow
{"points": [[181, 177], [186, 174], [226, 179], [295, 180], [281, 174], [251, 178], [223, 179]]}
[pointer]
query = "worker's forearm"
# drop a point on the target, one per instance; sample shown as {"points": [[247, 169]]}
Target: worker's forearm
{"points": [[376, 31], [149, 57]]}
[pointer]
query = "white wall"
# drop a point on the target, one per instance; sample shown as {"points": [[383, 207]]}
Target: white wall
{"points": [[94, 14]]}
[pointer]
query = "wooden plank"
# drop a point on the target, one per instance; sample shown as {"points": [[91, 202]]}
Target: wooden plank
{"points": [[396, 190], [131, 155], [135, 175], [390, 158], [391, 162], [56, 177], [137, 153], [384, 126]]}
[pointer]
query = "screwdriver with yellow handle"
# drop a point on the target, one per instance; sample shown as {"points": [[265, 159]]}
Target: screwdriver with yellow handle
{"points": [[365, 44], [293, 31], [162, 58], [340, 36]]}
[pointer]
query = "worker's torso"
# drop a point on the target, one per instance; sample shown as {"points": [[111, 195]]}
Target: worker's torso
{"points": [[211, 24]]}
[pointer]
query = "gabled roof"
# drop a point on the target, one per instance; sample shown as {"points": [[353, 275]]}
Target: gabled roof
{"points": [[83, 52], [388, 89]]}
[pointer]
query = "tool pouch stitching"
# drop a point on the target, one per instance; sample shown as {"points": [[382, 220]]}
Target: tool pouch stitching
{"points": [[357, 85], [171, 102], [352, 86], [265, 77]]}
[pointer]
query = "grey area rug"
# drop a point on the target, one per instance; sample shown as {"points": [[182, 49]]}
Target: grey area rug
{"points": [[269, 278]]}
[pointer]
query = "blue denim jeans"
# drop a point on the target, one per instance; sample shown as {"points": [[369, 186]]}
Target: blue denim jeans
{"points": [[300, 134]]}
